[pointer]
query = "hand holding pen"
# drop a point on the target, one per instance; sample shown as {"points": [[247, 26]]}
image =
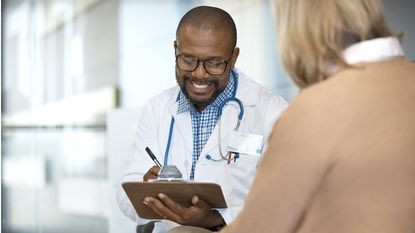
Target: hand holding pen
{"points": [[153, 172]]}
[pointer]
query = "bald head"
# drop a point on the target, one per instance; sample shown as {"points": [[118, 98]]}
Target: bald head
{"points": [[209, 18]]}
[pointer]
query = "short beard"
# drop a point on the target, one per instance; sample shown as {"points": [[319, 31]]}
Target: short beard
{"points": [[187, 80]]}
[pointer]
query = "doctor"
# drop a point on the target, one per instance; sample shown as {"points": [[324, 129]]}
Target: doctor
{"points": [[200, 125]]}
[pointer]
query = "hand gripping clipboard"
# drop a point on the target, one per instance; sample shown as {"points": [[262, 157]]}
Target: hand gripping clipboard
{"points": [[179, 191]]}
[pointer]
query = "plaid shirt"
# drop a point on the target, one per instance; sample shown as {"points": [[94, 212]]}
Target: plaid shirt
{"points": [[204, 122]]}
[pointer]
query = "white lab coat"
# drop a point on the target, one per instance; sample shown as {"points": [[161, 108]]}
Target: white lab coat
{"points": [[261, 109]]}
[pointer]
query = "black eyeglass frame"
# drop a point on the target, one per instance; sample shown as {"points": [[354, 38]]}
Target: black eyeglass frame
{"points": [[203, 62]]}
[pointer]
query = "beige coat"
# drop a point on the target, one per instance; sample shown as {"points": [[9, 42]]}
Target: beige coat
{"points": [[341, 158]]}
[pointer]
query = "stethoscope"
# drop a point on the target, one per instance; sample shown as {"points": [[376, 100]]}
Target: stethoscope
{"points": [[234, 76]]}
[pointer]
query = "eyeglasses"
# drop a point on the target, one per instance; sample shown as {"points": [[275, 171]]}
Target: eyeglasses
{"points": [[213, 66]]}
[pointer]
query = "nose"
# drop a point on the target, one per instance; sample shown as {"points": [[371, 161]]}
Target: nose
{"points": [[200, 71]]}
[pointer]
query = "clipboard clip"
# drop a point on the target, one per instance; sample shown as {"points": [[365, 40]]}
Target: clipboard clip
{"points": [[170, 172]]}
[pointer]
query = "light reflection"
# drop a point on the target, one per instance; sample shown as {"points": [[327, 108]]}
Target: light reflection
{"points": [[24, 171]]}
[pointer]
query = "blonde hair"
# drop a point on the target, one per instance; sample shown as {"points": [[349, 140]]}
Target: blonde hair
{"points": [[313, 34]]}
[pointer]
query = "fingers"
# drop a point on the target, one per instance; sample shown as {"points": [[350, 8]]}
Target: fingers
{"points": [[172, 205], [196, 215], [154, 170], [152, 173], [151, 202], [160, 208], [200, 203], [195, 200]]}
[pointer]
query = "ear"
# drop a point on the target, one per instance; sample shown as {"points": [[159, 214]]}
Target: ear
{"points": [[234, 57]]}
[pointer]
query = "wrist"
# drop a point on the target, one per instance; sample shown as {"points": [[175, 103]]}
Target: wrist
{"points": [[218, 223]]}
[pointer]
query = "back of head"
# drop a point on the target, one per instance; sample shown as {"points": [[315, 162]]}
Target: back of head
{"points": [[312, 34], [209, 18]]}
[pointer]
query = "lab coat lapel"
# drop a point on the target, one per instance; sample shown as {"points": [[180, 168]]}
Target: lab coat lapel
{"points": [[227, 124], [183, 126]]}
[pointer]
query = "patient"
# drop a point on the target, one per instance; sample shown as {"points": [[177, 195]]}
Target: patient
{"points": [[342, 157]]}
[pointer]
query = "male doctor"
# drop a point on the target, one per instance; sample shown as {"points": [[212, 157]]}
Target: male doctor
{"points": [[194, 125]]}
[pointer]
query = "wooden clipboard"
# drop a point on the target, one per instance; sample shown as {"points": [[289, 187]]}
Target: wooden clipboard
{"points": [[180, 191]]}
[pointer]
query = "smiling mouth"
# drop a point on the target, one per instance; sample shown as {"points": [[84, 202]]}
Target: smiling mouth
{"points": [[200, 86]]}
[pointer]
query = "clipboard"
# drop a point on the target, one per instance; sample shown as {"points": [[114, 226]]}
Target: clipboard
{"points": [[179, 191]]}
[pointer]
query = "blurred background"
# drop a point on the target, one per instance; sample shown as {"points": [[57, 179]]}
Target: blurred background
{"points": [[70, 66]]}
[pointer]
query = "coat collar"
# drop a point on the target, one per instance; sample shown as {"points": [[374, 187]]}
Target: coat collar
{"points": [[379, 49], [374, 50], [246, 92]]}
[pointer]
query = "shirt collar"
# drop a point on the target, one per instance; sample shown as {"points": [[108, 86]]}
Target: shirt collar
{"points": [[185, 105], [379, 49]]}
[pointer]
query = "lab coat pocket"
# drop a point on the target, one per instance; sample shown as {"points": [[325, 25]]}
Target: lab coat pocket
{"points": [[241, 173], [245, 143]]}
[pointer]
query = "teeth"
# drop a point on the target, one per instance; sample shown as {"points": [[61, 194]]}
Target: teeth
{"points": [[200, 86]]}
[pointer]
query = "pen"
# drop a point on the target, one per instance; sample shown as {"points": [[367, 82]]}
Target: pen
{"points": [[153, 157]]}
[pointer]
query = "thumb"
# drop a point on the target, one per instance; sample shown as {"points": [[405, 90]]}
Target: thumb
{"points": [[195, 200], [200, 203]]}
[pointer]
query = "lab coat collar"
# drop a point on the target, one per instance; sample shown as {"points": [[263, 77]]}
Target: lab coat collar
{"points": [[182, 121], [246, 92]]}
